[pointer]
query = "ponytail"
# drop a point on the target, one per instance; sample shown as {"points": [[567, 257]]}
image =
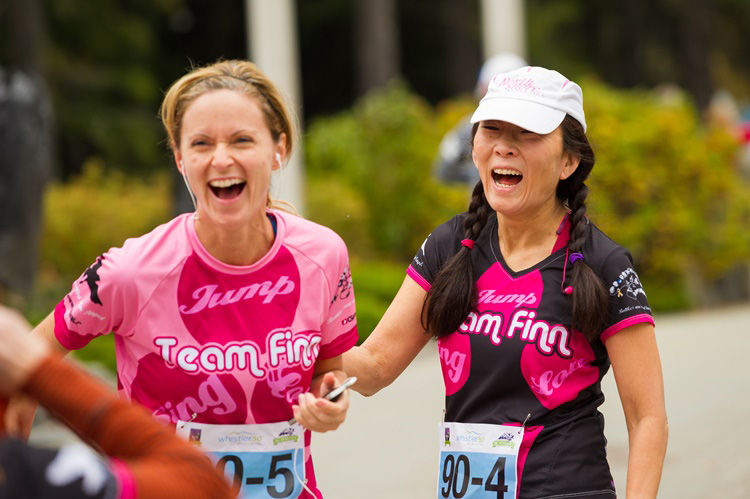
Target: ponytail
{"points": [[453, 294], [589, 295]]}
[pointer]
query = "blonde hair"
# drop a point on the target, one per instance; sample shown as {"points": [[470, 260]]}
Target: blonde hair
{"points": [[238, 75]]}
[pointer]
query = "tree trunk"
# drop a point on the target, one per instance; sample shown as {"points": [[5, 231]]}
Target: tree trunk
{"points": [[462, 49], [377, 42], [26, 145], [695, 34]]}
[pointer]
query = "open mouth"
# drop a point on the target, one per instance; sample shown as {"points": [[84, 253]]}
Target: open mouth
{"points": [[504, 177], [227, 188]]}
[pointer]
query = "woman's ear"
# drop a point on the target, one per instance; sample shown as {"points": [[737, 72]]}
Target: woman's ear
{"points": [[570, 166], [178, 158], [280, 153]]}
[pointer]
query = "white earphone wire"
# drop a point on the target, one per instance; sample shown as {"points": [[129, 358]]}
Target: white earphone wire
{"points": [[187, 184]]}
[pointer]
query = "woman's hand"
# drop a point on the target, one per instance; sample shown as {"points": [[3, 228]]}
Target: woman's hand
{"points": [[314, 412], [20, 354]]}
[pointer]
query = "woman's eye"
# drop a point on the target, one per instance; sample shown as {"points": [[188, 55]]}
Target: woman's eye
{"points": [[244, 139], [528, 132], [198, 143]]}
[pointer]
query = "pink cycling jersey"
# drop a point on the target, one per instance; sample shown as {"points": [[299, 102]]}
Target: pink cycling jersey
{"points": [[198, 339]]}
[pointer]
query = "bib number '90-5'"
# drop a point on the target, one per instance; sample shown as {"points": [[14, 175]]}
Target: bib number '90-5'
{"points": [[264, 461], [279, 474]]}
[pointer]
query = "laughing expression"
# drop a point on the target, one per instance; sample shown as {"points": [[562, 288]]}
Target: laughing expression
{"points": [[227, 152], [520, 169]]}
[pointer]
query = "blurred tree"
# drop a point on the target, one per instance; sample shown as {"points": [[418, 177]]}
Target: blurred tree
{"points": [[25, 131], [696, 41], [377, 44], [696, 44], [326, 32], [460, 35]]}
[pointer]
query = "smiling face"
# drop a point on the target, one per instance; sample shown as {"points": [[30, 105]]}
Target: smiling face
{"points": [[227, 152], [520, 169]]}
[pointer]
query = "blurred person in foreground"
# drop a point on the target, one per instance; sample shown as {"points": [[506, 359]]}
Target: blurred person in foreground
{"points": [[147, 459], [530, 303], [453, 163], [229, 321]]}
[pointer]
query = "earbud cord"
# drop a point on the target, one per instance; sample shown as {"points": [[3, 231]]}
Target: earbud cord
{"points": [[294, 469], [187, 184]]}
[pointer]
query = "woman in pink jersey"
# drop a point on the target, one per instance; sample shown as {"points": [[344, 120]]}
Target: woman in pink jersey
{"points": [[231, 320]]}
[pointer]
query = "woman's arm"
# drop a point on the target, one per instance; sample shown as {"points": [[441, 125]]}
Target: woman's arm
{"points": [[160, 464], [397, 339], [19, 415], [635, 362]]}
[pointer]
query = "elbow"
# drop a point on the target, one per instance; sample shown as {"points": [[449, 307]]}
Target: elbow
{"points": [[371, 386]]}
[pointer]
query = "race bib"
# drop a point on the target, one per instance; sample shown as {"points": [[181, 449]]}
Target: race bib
{"points": [[478, 461], [261, 460]]}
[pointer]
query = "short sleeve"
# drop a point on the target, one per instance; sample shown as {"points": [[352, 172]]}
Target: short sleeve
{"points": [[97, 302], [437, 249], [339, 330], [627, 298]]}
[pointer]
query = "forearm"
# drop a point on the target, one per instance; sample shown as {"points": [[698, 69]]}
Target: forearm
{"points": [[46, 331], [362, 363], [648, 445]]}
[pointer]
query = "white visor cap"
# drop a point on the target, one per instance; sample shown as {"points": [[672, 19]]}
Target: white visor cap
{"points": [[533, 98]]}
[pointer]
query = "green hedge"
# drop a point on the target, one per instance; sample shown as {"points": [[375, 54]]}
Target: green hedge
{"points": [[96, 211], [370, 174], [668, 188]]}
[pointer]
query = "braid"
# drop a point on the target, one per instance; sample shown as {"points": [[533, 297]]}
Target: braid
{"points": [[479, 212], [590, 300], [453, 294], [578, 222]]}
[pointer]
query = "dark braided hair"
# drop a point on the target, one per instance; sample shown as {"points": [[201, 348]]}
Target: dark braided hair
{"points": [[454, 293], [590, 299]]}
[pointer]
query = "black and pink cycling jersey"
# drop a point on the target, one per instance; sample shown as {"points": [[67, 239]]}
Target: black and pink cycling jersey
{"points": [[517, 357]]}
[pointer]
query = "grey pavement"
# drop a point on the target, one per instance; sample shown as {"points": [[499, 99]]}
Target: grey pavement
{"points": [[388, 446]]}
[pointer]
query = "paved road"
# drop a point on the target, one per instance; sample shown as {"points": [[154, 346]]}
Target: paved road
{"points": [[387, 449]]}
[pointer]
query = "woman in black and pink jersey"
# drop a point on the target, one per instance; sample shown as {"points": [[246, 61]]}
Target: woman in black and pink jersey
{"points": [[530, 303]]}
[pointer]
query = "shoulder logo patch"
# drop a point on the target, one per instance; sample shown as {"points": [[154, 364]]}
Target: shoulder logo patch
{"points": [[627, 284]]}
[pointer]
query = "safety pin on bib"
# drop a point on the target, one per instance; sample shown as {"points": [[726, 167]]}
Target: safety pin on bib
{"points": [[189, 420], [523, 425]]}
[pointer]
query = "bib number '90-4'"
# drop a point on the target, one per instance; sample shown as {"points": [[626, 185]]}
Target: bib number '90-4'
{"points": [[456, 477]]}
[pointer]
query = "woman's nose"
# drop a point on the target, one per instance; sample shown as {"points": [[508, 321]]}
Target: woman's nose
{"points": [[505, 145], [222, 158]]}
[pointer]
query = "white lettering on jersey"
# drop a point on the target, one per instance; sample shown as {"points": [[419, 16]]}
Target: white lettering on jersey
{"points": [[212, 357], [301, 349], [207, 296], [549, 338]]}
